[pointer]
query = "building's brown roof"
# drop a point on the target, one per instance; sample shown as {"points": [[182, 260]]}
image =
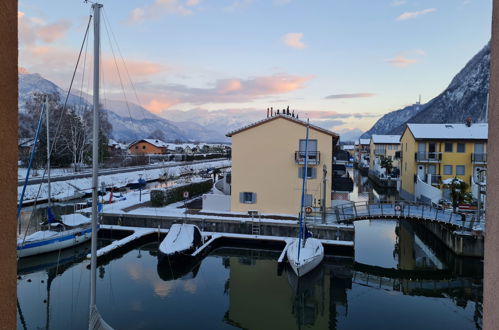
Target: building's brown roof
{"points": [[287, 117]]}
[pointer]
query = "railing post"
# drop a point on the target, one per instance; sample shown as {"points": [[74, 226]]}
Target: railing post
{"points": [[422, 211], [368, 211], [436, 215], [355, 209], [381, 209]]}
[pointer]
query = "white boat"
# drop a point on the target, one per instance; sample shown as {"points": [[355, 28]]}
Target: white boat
{"points": [[304, 253], [57, 234], [311, 255], [181, 240], [73, 229]]}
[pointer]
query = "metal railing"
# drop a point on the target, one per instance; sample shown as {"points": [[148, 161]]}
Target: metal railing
{"points": [[478, 158], [428, 156], [314, 157], [396, 209]]}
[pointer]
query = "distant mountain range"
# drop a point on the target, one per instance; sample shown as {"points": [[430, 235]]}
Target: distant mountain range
{"points": [[130, 122], [466, 96]]}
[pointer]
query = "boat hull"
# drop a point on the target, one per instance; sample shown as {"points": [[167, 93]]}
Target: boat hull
{"points": [[180, 242], [67, 239], [305, 265]]}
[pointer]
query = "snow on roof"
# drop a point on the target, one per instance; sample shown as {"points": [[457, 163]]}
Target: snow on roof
{"points": [[385, 139], [450, 131], [348, 147], [154, 142], [365, 141], [288, 117]]}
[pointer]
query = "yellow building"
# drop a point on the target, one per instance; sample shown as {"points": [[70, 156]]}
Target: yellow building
{"points": [[432, 153], [268, 163], [383, 146]]}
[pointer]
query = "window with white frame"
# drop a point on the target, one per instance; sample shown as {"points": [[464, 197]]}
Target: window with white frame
{"points": [[461, 147]]}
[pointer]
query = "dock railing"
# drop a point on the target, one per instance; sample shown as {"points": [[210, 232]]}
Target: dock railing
{"points": [[350, 212]]}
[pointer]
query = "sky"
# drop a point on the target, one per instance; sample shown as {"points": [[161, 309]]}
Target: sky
{"points": [[348, 61]]}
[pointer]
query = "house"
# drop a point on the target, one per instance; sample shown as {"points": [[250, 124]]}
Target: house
{"points": [[383, 147], [268, 165], [362, 150], [432, 153], [148, 147], [350, 148]]}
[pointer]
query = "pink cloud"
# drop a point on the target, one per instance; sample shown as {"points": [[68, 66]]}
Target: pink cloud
{"points": [[410, 15], [33, 30], [293, 40], [159, 8], [401, 61]]}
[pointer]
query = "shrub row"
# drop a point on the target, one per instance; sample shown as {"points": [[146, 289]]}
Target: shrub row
{"points": [[165, 196]]}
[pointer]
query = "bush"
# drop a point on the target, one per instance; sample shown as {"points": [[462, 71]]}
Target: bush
{"points": [[162, 197]]}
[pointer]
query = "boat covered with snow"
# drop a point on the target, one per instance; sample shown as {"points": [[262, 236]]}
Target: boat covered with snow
{"points": [[70, 230], [181, 241], [310, 255]]}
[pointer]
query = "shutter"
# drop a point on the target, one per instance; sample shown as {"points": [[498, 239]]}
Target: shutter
{"points": [[253, 198], [300, 172], [314, 173], [241, 197]]}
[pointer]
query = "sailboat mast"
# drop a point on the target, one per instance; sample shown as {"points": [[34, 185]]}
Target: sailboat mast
{"points": [[95, 155], [303, 190], [48, 149]]}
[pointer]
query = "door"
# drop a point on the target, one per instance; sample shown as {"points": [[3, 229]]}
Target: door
{"points": [[432, 171], [421, 151], [432, 150]]}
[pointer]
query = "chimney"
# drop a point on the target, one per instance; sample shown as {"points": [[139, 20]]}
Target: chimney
{"points": [[293, 114], [271, 112], [267, 112], [277, 111], [468, 121], [287, 110]]}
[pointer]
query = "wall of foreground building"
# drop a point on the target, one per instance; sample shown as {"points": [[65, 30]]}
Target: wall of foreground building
{"points": [[491, 271], [8, 162]]}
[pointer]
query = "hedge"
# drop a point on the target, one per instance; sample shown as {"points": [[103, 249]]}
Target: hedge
{"points": [[165, 196]]}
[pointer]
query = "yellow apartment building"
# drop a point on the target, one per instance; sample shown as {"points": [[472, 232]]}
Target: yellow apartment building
{"points": [[432, 153], [268, 165], [383, 146]]}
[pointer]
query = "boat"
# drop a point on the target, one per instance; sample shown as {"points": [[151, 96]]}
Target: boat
{"points": [[180, 242], [304, 253], [55, 234]]}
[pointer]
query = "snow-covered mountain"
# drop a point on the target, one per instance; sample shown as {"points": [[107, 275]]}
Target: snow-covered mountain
{"points": [[466, 96], [130, 122]]}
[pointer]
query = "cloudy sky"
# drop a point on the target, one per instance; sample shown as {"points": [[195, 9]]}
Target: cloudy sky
{"points": [[353, 60]]}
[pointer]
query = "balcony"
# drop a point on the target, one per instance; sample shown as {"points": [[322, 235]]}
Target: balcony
{"points": [[379, 152], [479, 158], [314, 157], [428, 157]]}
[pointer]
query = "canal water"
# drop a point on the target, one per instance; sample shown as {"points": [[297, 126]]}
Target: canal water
{"points": [[401, 278]]}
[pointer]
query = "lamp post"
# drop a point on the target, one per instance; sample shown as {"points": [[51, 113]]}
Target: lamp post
{"points": [[479, 183]]}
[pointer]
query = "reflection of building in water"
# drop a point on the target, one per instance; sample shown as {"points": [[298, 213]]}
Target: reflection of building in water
{"points": [[261, 300], [412, 252]]}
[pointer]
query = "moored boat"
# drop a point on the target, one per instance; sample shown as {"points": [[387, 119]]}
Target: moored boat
{"points": [[311, 255], [180, 242]]}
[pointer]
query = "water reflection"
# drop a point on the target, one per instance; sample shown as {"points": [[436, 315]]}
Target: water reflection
{"points": [[399, 274]]}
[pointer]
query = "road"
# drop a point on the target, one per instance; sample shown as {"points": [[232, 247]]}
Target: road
{"points": [[88, 174]]}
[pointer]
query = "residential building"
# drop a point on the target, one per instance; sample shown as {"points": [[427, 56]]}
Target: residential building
{"points": [[381, 147], [148, 147], [432, 153], [268, 165], [362, 150]]}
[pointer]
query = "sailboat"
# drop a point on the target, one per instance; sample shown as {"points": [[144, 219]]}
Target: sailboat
{"points": [[304, 253], [56, 234]]}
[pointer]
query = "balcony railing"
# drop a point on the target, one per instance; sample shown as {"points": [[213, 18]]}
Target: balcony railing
{"points": [[435, 179], [430, 157], [478, 158], [314, 157]]}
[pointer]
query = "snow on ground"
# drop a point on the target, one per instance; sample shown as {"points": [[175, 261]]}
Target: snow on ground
{"points": [[61, 189]]}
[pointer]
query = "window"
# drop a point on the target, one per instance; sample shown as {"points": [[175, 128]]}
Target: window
{"points": [[143, 147], [247, 197], [311, 172], [461, 147], [449, 147], [136, 147], [460, 169], [448, 169], [311, 146]]}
